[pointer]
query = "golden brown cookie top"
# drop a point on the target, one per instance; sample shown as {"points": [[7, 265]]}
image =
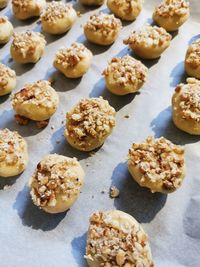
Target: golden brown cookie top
{"points": [[5, 74], [170, 8], [193, 54]]}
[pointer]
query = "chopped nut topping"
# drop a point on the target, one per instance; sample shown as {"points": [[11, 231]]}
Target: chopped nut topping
{"points": [[113, 247], [170, 8], [126, 70], [103, 23], [5, 74], [148, 36], [127, 6], [114, 192], [193, 54], [21, 120], [159, 160]]}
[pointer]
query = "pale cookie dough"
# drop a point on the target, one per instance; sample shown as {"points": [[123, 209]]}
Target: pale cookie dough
{"points": [[192, 60], [56, 183], [24, 9], [13, 153], [186, 106], [3, 3], [6, 30], [171, 14], [58, 17], [73, 61], [37, 101], [157, 164], [7, 80], [89, 123], [116, 239], [27, 47], [125, 75], [125, 9], [102, 29], [149, 42]]}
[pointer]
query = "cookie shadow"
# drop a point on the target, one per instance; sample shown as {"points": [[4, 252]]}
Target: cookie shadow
{"points": [[78, 245], [4, 98], [178, 74], [8, 181]]}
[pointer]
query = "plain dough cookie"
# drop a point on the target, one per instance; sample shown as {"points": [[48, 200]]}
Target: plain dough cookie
{"points": [[125, 9], [171, 14], [13, 153], [125, 75], [7, 80], [102, 29], [92, 2], [157, 164], [27, 47], [37, 101], [89, 123], [149, 42], [116, 239], [3, 3], [192, 60], [56, 183], [24, 9], [58, 17], [186, 106], [74, 61], [6, 30]]}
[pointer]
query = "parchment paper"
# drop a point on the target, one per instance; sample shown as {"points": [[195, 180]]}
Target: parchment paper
{"points": [[29, 236]]}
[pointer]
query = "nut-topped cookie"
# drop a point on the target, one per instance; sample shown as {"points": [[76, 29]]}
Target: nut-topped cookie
{"points": [[186, 106], [3, 3], [89, 123], [6, 30], [157, 164], [73, 61], [7, 80], [149, 41], [102, 29], [125, 75], [192, 60], [116, 239], [56, 183], [13, 153]]}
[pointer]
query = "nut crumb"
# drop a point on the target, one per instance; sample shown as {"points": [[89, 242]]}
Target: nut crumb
{"points": [[42, 124], [114, 192]]}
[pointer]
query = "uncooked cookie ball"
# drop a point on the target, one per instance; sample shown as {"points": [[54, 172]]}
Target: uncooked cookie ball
{"points": [[149, 42], [125, 9], [24, 9], [13, 153], [171, 14], [186, 106], [92, 2], [6, 30], [192, 60], [125, 75], [58, 17], [7, 80], [89, 123], [37, 101], [116, 239], [157, 164], [27, 47], [102, 29], [74, 61], [56, 183], [3, 3]]}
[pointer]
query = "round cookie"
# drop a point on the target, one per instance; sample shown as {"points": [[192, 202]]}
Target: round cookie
{"points": [[125, 75], [74, 61], [92, 2], [3, 3], [27, 47], [7, 80], [186, 106], [56, 183], [171, 14], [58, 17], [192, 60], [6, 30], [102, 29], [157, 164], [13, 153], [37, 101], [89, 123], [115, 238], [24, 9], [149, 42], [125, 9]]}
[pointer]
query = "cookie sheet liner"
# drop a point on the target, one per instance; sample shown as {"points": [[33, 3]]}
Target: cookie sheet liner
{"points": [[29, 236]]}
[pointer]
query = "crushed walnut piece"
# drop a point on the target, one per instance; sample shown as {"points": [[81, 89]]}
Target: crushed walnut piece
{"points": [[159, 160], [55, 177], [170, 8], [114, 192], [5, 74], [149, 36], [112, 246], [126, 70], [193, 54], [103, 23], [21, 120]]}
